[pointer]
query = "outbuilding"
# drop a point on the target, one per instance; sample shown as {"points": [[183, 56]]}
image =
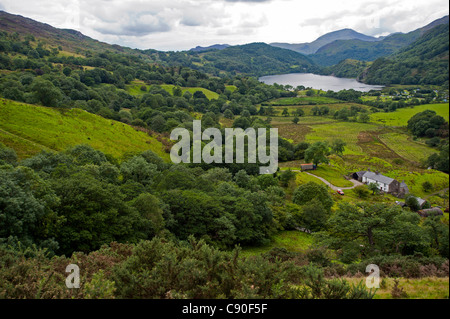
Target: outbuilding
{"points": [[434, 211]]}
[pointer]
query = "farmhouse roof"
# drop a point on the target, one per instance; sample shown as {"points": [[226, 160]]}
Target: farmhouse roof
{"points": [[430, 211], [378, 177], [403, 185], [360, 174], [420, 201]]}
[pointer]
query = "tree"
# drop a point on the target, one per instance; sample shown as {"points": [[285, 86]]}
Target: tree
{"points": [[242, 179], [338, 146], [7, 155], [299, 112], [314, 216], [94, 214], [305, 193], [361, 191], [45, 92], [438, 232], [228, 114], [364, 117], [295, 120], [177, 91], [286, 177], [67, 71], [425, 123], [285, 112], [373, 187], [324, 110], [315, 110], [27, 209], [427, 186], [412, 202], [366, 228], [317, 153], [137, 169], [158, 123], [149, 207]]}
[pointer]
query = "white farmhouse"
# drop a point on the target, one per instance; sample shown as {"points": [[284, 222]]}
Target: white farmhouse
{"points": [[385, 184]]}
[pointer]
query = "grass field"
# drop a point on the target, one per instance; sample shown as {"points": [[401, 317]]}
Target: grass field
{"points": [[414, 180], [401, 116], [348, 132], [404, 146], [332, 174], [308, 109], [295, 241], [28, 129], [304, 100]]}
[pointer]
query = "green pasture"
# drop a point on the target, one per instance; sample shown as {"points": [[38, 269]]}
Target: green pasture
{"points": [[31, 128], [291, 240], [406, 147], [401, 116]]}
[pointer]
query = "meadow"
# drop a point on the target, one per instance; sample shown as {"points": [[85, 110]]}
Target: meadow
{"points": [[31, 128], [290, 240], [415, 288], [348, 132], [333, 107], [304, 100], [403, 145]]}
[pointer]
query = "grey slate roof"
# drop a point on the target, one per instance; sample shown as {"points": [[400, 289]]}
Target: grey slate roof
{"points": [[420, 201], [361, 173], [378, 177], [403, 185]]}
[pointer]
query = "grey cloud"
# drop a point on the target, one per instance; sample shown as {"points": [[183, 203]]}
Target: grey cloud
{"points": [[134, 25], [248, 0]]}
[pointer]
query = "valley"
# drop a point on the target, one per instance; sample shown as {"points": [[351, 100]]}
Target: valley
{"points": [[86, 175]]}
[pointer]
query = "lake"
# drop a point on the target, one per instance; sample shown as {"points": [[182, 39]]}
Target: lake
{"points": [[323, 82]]}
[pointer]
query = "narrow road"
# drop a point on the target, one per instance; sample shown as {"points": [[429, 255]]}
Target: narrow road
{"points": [[438, 192], [355, 182]]}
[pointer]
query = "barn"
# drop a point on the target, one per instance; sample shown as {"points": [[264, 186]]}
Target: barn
{"points": [[307, 167], [358, 175], [434, 211]]}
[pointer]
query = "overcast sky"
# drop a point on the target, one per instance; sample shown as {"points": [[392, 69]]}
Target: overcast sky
{"points": [[184, 24]]}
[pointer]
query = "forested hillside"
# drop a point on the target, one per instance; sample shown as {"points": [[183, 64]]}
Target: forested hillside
{"points": [[424, 61], [358, 49]]}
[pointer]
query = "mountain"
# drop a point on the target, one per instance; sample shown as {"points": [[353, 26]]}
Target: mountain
{"points": [[71, 41], [257, 59], [425, 61], [211, 47], [312, 47], [334, 52]]}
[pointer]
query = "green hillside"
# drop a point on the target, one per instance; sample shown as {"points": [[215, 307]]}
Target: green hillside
{"points": [[357, 49], [347, 68], [28, 129], [257, 59]]}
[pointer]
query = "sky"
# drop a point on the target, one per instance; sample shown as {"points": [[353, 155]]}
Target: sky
{"points": [[174, 25]]}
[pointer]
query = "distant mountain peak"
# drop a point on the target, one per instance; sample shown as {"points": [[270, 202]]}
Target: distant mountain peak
{"points": [[313, 47], [211, 47]]}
